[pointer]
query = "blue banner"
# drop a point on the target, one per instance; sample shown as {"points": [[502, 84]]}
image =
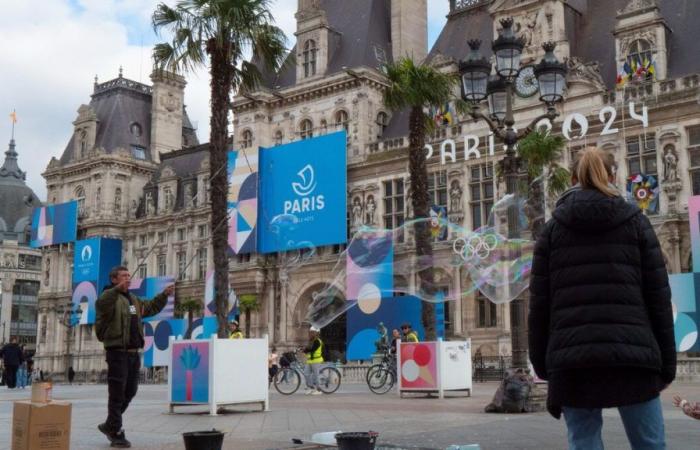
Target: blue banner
{"points": [[54, 224], [303, 194], [93, 259]]}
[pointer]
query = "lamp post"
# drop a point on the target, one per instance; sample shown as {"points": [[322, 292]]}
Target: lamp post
{"points": [[478, 85], [69, 318]]}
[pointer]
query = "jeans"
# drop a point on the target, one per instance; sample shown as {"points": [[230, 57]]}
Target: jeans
{"points": [[22, 378], [122, 384], [644, 426], [311, 373]]}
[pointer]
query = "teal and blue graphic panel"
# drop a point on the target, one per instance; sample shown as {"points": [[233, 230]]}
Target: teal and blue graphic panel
{"points": [[242, 201], [93, 259], [157, 340], [392, 312], [147, 288], [303, 194], [54, 224]]}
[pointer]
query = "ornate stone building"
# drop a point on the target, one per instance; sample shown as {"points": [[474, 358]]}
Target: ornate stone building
{"points": [[126, 166], [20, 265]]}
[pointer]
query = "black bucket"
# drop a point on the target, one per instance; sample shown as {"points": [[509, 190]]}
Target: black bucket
{"points": [[203, 440], [358, 440]]}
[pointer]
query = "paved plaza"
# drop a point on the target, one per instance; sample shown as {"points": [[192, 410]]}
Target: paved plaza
{"points": [[415, 422]]}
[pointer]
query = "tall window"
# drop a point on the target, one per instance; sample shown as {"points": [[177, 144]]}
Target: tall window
{"points": [[143, 271], [641, 155], [162, 265], [394, 205], [246, 139], [341, 119], [143, 240], [80, 197], [278, 137], [639, 52], [306, 129], [437, 186], [201, 263], [309, 57], [181, 265], [481, 188], [382, 123], [203, 230], [181, 234], [486, 312], [118, 200], [42, 329], [161, 237], [694, 157]]}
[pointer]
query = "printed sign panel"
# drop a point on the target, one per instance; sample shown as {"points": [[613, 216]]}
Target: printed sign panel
{"points": [[303, 194], [147, 288], [93, 259], [54, 224], [190, 372], [242, 201]]}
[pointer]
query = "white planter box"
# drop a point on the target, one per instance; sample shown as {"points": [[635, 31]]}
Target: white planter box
{"points": [[434, 366]]}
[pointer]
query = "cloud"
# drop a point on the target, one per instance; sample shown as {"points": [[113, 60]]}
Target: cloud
{"points": [[52, 50]]}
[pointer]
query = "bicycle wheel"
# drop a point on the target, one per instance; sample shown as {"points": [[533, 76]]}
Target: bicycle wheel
{"points": [[373, 368], [287, 381], [328, 380], [381, 381]]}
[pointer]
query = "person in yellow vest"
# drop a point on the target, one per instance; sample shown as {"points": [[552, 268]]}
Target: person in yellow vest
{"points": [[408, 334], [236, 333], [314, 361]]}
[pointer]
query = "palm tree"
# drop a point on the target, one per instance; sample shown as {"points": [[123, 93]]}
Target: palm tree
{"points": [[247, 304], [541, 153], [217, 33], [416, 87], [190, 307]]}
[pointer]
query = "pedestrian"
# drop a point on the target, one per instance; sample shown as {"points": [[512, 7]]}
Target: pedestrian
{"points": [[690, 410], [600, 320], [408, 334], [395, 337], [41, 375], [119, 326], [12, 357], [273, 363], [236, 332], [22, 375], [71, 374], [314, 361]]}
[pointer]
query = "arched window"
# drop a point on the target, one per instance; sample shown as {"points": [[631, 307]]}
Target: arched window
{"points": [[306, 129], [309, 56], [278, 137], [639, 53], [246, 139], [341, 119], [382, 122], [79, 195]]}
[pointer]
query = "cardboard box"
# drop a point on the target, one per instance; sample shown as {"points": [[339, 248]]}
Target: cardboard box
{"points": [[41, 392], [41, 426]]}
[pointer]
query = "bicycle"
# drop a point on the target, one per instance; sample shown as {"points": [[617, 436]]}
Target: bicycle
{"points": [[382, 376], [288, 379]]}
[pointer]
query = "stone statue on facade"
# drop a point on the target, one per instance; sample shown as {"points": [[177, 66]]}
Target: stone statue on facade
{"points": [[356, 212], [189, 196], [118, 201], [150, 205], [670, 165], [455, 197], [371, 209], [47, 271], [382, 344], [134, 209], [98, 200]]}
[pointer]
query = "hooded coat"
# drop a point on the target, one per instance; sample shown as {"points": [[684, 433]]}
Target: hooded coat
{"points": [[600, 321]]}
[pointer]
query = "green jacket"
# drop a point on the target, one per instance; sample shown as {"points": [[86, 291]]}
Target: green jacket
{"points": [[113, 321]]}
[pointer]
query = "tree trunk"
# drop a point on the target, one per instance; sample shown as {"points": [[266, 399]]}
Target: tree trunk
{"points": [[221, 84], [420, 199]]}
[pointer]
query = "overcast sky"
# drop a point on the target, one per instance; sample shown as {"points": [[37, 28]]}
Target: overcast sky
{"points": [[52, 49]]}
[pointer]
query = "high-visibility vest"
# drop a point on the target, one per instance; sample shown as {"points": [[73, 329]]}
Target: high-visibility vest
{"points": [[412, 336], [317, 356], [238, 334]]}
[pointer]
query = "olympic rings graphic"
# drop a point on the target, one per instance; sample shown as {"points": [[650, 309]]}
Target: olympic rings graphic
{"points": [[476, 246]]}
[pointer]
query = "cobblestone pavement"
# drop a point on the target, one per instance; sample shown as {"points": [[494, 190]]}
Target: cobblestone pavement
{"points": [[410, 422]]}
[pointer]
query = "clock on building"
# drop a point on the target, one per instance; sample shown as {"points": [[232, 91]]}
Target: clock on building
{"points": [[526, 84]]}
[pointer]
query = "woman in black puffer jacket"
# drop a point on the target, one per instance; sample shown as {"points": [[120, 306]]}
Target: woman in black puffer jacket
{"points": [[601, 322]]}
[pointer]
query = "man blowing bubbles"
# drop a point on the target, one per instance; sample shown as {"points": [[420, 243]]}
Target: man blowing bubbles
{"points": [[119, 326]]}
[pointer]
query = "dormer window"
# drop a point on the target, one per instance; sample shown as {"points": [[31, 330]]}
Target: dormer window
{"points": [[382, 123], [309, 57], [639, 53], [306, 129], [136, 130], [246, 139], [341, 119]]}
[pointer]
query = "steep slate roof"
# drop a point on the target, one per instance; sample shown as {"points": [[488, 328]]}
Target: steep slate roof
{"points": [[590, 24], [185, 162], [118, 104], [17, 200], [364, 34]]}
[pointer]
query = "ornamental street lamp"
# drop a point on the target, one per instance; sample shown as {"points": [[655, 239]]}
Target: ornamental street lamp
{"points": [[478, 85], [70, 317]]}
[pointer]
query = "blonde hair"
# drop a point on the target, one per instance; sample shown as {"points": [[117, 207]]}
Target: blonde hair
{"points": [[593, 170]]}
